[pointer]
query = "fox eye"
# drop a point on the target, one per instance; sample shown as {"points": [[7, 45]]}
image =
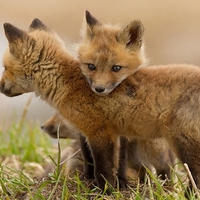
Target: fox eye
{"points": [[116, 68], [91, 67]]}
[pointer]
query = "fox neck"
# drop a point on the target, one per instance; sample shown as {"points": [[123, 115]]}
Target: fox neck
{"points": [[52, 82]]}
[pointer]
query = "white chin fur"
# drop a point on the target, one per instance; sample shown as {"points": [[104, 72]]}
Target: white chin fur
{"points": [[102, 94]]}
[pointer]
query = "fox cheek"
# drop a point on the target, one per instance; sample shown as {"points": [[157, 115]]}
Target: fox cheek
{"points": [[89, 80]]}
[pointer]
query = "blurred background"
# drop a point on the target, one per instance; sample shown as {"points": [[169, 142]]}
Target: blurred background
{"points": [[172, 34]]}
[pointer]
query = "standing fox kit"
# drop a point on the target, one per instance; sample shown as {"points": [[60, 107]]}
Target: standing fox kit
{"points": [[157, 101], [109, 54]]}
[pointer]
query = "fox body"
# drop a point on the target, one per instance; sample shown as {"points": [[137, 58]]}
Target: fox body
{"points": [[153, 153], [109, 54], [157, 101]]}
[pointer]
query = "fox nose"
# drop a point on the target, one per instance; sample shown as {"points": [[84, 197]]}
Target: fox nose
{"points": [[99, 89]]}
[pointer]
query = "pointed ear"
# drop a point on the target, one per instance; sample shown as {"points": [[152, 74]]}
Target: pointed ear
{"points": [[13, 33], [16, 38], [91, 21], [132, 35], [37, 24], [91, 24]]}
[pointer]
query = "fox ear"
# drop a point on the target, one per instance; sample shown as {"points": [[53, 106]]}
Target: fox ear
{"points": [[91, 21], [16, 37], [13, 33], [132, 34], [37, 24], [91, 24]]}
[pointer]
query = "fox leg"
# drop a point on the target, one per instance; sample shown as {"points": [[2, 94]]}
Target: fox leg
{"points": [[105, 152], [188, 151], [121, 173], [164, 172], [88, 170], [134, 160]]}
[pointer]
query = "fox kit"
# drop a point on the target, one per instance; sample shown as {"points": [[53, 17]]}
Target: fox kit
{"points": [[155, 102], [108, 55], [56, 124], [113, 53], [154, 153]]}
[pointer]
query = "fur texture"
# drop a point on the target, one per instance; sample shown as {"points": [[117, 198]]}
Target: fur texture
{"points": [[157, 101]]}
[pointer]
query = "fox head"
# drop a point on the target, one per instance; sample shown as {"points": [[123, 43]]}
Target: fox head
{"points": [[56, 125], [109, 54], [26, 53]]}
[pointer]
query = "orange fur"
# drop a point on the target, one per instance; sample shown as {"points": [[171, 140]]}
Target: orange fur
{"points": [[109, 54], [157, 101]]}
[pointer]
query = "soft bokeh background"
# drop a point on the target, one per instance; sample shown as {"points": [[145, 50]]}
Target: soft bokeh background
{"points": [[172, 34]]}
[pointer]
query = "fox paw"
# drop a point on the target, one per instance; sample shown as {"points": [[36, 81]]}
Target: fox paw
{"points": [[122, 183]]}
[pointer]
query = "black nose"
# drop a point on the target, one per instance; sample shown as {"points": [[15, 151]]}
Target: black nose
{"points": [[99, 89]]}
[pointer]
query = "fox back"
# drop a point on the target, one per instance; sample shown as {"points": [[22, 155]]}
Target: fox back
{"points": [[109, 54]]}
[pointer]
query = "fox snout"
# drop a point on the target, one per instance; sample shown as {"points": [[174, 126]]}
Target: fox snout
{"points": [[8, 89], [5, 90], [101, 90], [50, 129]]}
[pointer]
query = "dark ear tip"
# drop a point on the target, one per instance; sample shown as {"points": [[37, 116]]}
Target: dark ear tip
{"points": [[37, 24], [90, 19], [87, 14], [6, 25], [36, 20]]}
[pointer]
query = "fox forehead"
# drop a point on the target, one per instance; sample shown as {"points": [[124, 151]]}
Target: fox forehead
{"points": [[106, 35], [108, 55], [103, 49]]}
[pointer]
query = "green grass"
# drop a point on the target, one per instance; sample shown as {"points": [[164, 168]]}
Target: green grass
{"points": [[25, 150]]}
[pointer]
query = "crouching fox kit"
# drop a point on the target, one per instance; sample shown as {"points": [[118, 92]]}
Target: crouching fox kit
{"points": [[153, 153], [56, 125], [155, 102]]}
